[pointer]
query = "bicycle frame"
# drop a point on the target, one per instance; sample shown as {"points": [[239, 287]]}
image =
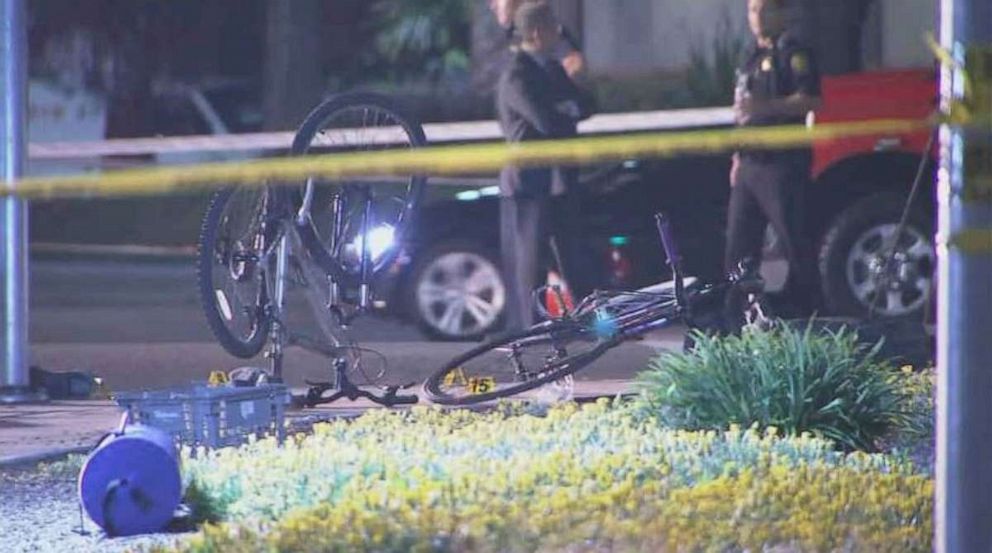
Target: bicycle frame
{"points": [[304, 217], [658, 310], [285, 242]]}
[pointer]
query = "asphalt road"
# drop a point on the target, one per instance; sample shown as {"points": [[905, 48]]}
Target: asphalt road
{"points": [[137, 323]]}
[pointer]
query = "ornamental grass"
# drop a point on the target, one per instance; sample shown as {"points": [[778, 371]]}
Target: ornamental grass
{"points": [[793, 379], [601, 477]]}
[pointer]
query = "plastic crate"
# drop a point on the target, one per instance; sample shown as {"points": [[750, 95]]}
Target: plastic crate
{"points": [[201, 415]]}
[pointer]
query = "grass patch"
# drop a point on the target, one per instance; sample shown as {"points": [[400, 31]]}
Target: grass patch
{"points": [[791, 380]]}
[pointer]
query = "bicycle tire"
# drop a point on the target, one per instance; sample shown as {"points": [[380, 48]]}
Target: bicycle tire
{"points": [[628, 317], [244, 347], [330, 261], [432, 387]]}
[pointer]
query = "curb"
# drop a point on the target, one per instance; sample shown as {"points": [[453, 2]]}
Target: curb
{"points": [[15, 461], [301, 419], [56, 249]]}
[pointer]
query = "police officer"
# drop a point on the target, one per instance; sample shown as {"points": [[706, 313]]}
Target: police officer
{"points": [[537, 100], [777, 84]]}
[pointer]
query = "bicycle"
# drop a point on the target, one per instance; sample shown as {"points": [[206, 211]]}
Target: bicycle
{"points": [[329, 238], [556, 348]]}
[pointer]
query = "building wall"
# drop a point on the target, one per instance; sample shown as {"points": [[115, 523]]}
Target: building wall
{"points": [[903, 25], [638, 36], [642, 36]]}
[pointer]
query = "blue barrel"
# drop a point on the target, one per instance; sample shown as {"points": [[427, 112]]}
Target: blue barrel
{"points": [[130, 484]]}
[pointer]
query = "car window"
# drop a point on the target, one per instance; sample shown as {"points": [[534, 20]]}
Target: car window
{"points": [[175, 115], [238, 107]]}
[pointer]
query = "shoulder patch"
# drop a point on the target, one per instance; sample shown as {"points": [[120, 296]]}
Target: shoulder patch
{"points": [[799, 62]]}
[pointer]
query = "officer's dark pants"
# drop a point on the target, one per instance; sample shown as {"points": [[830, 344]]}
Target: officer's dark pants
{"points": [[527, 224], [770, 190]]}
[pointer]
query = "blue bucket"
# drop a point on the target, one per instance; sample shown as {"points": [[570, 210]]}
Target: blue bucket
{"points": [[130, 484]]}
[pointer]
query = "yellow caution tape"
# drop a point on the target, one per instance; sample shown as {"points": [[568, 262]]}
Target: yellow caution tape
{"points": [[973, 241], [449, 160], [946, 59]]}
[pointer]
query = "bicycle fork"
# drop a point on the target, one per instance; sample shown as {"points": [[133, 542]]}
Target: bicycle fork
{"points": [[277, 332]]}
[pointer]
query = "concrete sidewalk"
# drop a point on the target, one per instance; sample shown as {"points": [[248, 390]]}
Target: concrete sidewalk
{"points": [[36, 432]]}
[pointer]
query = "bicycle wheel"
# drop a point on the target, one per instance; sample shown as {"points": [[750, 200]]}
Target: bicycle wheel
{"points": [[333, 236], [232, 283], [516, 363]]}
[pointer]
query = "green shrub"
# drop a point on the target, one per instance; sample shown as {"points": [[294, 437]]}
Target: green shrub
{"points": [[793, 380], [596, 478], [711, 77]]}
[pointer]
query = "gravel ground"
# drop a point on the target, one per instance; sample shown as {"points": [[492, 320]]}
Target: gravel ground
{"points": [[39, 512], [39, 508]]}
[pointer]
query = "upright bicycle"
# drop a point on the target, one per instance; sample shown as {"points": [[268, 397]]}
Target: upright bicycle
{"points": [[327, 237], [553, 350]]}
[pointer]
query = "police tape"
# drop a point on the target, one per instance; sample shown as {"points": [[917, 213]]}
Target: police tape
{"points": [[975, 241], [449, 160]]}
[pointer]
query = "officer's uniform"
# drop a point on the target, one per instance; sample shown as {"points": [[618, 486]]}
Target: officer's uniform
{"points": [[771, 184], [536, 100]]}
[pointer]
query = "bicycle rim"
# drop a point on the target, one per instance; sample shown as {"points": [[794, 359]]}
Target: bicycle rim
{"points": [[516, 363], [333, 236]]}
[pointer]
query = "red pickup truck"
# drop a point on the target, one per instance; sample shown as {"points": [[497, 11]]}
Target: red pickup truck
{"points": [[860, 188]]}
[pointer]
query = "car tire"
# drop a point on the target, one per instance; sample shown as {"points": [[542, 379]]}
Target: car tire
{"points": [[456, 291], [852, 254]]}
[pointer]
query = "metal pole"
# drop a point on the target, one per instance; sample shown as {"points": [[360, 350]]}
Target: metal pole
{"points": [[964, 323], [13, 211]]}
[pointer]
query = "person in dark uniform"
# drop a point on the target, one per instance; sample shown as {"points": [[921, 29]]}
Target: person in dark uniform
{"points": [[537, 100], [777, 84]]}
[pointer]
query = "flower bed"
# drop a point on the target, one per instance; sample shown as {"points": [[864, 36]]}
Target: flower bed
{"points": [[596, 478]]}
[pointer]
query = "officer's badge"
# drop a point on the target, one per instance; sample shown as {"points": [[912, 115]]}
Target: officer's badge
{"points": [[766, 64], [799, 62]]}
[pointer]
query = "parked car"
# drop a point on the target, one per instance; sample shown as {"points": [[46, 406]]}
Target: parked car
{"points": [[449, 282], [216, 106], [449, 279]]}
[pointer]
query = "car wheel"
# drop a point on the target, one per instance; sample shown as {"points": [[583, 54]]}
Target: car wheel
{"points": [[854, 254], [457, 291]]}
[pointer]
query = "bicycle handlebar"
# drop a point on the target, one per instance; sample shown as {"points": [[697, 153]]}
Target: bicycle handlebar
{"points": [[670, 245], [389, 397], [668, 240]]}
